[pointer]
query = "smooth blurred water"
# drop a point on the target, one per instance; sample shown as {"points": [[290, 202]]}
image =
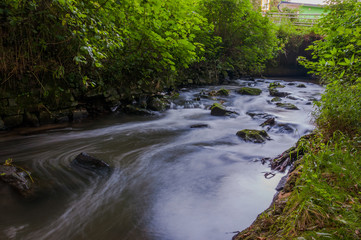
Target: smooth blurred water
{"points": [[170, 181]]}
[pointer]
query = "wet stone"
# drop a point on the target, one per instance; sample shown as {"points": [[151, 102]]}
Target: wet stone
{"points": [[200, 125], [18, 179], [219, 110], [255, 136], [275, 93], [288, 106], [249, 91], [269, 122], [90, 165], [276, 99], [301, 85], [223, 92], [259, 115]]}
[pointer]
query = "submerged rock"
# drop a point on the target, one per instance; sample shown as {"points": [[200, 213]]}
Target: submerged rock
{"points": [[255, 136], [269, 122], [259, 115], [288, 106], [249, 91], [200, 125], [219, 110], [90, 165], [132, 109], [18, 179]]}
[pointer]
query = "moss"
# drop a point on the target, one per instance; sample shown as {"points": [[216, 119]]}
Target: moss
{"points": [[218, 109], [223, 92], [276, 85], [255, 136], [287, 106], [275, 93], [276, 99], [249, 91]]}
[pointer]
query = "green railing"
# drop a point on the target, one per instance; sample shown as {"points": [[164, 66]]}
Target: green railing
{"points": [[298, 19]]}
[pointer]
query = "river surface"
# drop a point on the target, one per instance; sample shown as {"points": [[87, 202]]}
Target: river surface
{"points": [[170, 181]]}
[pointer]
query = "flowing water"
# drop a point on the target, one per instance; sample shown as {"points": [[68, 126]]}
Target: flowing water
{"points": [[170, 181]]}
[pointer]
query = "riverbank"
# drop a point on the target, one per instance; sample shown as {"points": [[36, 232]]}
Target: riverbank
{"points": [[321, 198]]}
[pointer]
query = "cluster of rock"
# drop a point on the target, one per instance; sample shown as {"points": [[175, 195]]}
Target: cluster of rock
{"points": [[72, 106], [252, 135]]}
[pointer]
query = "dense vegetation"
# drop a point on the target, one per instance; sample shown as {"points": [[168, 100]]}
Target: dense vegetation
{"points": [[139, 46], [330, 184], [322, 197]]}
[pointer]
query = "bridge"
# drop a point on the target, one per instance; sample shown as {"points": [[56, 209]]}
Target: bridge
{"points": [[298, 19]]}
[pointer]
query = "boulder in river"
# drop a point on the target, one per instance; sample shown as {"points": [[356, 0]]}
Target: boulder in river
{"points": [[223, 92], [288, 106], [90, 165], [269, 122], [219, 110], [200, 125], [158, 104], [17, 178], [255, 136], [276, 99], [275, 93], [249, 91], [276, 85], [260, 115], [301, 85]]}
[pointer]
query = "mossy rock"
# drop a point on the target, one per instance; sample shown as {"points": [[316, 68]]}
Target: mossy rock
{"points": [[158, 104], [276, 85], [223, 92], [276, 99], [249, 91], [255, 136], [288, 106], [269, 122], [219, 110], [301, 85], [275, 93]]}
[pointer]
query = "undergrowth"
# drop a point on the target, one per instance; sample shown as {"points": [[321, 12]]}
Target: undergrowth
{"points": [[326, 204]]}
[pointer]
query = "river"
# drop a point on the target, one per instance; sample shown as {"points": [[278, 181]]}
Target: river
{"points": [[170, 181]]}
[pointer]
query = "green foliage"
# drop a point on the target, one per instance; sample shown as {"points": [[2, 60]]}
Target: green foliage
{"points": [[337, 56], [340, 109], [248, 39], [138, 46], [336, 60], [330, 188]]}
